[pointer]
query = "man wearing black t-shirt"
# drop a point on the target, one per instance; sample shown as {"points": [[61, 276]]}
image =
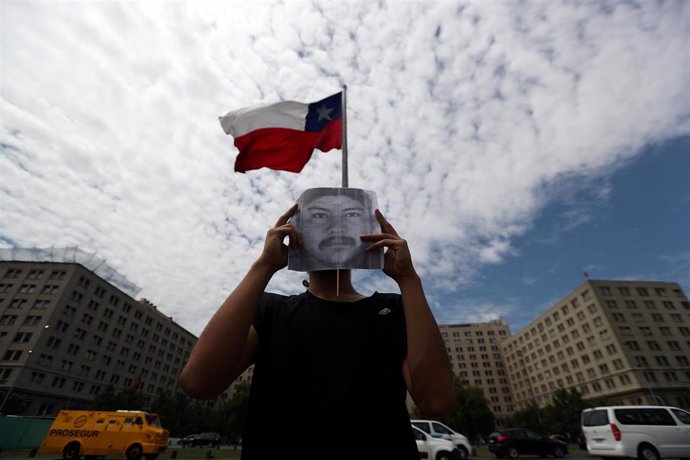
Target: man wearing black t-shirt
{"points": [[332, 367]]}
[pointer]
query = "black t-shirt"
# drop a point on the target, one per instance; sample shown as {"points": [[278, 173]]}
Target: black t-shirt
{"points": [[328, 380]]}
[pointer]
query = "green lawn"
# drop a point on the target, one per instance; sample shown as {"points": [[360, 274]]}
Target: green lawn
{"points": [[201, 453], [188, 453], [483, 452]]}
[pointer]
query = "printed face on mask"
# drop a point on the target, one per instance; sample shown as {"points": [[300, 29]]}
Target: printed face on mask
{"points": [[330, 222], [332, 226]]}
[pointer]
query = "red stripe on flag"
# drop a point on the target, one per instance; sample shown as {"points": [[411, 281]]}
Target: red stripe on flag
{"points": [[285, 149]]}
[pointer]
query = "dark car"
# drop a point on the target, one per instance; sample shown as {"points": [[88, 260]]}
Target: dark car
{"points": [[205, 439], [187, 440], [512, 442]]}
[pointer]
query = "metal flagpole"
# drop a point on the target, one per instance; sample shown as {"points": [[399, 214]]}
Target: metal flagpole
{"points": [[344, 148], [345, 182]]}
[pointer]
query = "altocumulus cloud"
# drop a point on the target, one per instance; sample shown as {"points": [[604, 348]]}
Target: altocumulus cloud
{"points": [[463, 116]]}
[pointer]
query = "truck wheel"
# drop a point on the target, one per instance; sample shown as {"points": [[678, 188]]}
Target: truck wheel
{"points": [[443, 456], [134, 452], [463, 452], [72, 451], [513, 452], [558, 452]]}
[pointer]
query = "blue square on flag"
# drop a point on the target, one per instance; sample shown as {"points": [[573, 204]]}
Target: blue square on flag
{"points": [[323, 112]]}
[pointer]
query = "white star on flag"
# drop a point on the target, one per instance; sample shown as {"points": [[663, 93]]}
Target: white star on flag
{"points": [[324, 112]]}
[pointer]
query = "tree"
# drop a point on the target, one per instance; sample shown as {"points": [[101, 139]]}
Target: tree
{"points": [[11, 404], [472, 415], [562, 416], [530, 417], [237, 413], [125, 399]]}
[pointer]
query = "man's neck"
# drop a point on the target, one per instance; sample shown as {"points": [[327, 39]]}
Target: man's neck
{"points": [[333, 285]]}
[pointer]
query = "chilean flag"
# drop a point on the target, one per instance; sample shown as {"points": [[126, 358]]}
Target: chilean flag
{"points": [[283, 135]]}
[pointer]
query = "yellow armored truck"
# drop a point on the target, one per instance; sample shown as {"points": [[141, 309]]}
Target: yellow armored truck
{"points": [[133, 434]]}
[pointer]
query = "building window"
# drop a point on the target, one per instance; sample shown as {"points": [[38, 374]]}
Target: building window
{"points": [[53, 343], [49, 289], [73, 349], [662, 361], [631, 304], [37, 377], [671, 376], [17, 304], [57, 274], [41, 304], [35, 274], [12, 355], [653, 345], [668, 305], [13, 273], [27, 289], [30, 320], [649, 304], [22, 337]]}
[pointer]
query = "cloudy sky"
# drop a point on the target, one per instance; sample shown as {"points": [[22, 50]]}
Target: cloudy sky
{"points": [[514, 144]]}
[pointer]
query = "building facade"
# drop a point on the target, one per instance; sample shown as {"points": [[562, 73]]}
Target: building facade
{"points": [[474, 351], [67, 333], [625, 342]]}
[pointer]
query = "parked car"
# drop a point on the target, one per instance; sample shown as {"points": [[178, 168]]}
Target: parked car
{"points": [[187, 440], [206, 439], [439, 430], [513, 442], [433, 448], [559, 437], [644, 432]]}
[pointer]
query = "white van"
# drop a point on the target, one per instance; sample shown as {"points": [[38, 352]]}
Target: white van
{"points": [[439, 430], [643, 432], [434, 448]]}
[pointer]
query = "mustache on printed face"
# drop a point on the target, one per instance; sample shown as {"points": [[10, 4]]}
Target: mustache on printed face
{"points": [[337, 241]]}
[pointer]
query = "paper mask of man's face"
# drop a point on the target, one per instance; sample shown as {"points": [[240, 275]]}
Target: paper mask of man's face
{"points": [[330, 222]]}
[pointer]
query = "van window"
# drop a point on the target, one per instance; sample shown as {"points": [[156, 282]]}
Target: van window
{"points": [[153, 420], [128, 420], [595, 418], [644, 417], [438, 428], [683, 416], [422, 426]]}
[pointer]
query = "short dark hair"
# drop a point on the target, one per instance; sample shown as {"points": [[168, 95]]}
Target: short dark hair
{"points": [[355, 193]]}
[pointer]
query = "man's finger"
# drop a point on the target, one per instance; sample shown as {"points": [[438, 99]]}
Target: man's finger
{"points": [[377, 236], [282, 220], [290, 231], [385, 225], [387, 243]]}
